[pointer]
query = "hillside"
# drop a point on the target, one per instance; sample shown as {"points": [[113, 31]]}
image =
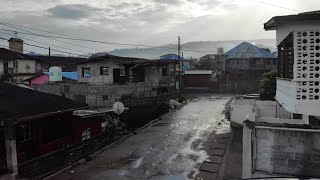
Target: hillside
{"points": [[191, 49]]}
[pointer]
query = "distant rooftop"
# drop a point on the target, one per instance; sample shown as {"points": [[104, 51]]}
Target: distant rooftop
{"points": [[17, 103], [15, 40], [305, 16], [171, 57], [7, 55], [246, 50]]}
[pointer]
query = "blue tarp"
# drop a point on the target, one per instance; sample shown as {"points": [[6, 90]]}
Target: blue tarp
{"points": [[246, 50], [171, 57], [69, 75]]}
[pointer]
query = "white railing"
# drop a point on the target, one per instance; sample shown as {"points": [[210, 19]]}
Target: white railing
{"points": [[291, 97], [286, 94]]}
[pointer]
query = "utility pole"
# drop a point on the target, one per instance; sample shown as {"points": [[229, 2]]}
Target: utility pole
{"points": [[179, 74], [49, 57], [182, 70]]}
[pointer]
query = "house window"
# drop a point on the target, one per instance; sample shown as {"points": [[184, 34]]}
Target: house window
{"points": [[164, 71], [104, 71], [86, 134], [86, 72], [105, 97], [24, 132], [122, 71], [15, 64], [103, 126]]}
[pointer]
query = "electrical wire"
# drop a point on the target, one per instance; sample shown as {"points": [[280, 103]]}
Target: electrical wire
{"points": [[55, 50], [76, 45], [44, 43], [88, 40]]}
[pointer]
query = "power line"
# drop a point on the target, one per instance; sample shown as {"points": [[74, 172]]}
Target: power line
{"points": [[5, 46], [44, 43], [41, 47], [277, 6], [89, 40], [76, 45]]}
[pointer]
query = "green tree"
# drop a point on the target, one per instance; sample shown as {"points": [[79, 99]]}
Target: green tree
{"points": [[268, 84]]}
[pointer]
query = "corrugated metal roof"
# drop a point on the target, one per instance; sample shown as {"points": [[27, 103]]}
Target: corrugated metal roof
{"points": [[198, 72], [246, 50], [171, 57]]}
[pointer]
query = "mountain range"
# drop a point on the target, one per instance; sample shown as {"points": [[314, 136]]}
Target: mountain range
{"points": [[191, 49]]}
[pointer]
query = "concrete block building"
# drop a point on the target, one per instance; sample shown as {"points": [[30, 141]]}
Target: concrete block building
{"points": [[102, 80], [288, 146]]}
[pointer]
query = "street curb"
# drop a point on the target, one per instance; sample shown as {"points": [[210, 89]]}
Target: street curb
{"points": [[94, 155], [226, 105], [220, 175]]}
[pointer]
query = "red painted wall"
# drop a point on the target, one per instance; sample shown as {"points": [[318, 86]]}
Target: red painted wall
{"points": [[79, 125], [196, 80], [43, 79]]}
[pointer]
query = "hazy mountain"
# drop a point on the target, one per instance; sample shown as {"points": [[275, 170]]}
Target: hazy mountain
{"points": [[191, 49]]}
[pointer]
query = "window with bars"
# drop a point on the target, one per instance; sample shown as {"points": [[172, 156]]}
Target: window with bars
{"points": [[285, 58], [104, 70], [15, 64], [86, 134]]}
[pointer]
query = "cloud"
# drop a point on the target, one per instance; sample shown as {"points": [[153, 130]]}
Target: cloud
{"points": [[151, 22], [72, 11]]}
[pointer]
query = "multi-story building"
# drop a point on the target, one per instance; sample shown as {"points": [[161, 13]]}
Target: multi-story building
{"points": [[104, 79], [245, 65], [14, 65], [298, 41], [287, 146]]}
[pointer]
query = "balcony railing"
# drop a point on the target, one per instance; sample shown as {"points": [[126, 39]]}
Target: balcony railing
{"points": [[296, 98]]}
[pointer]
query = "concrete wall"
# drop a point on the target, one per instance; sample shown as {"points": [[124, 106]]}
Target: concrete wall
{"points": [[95, 77], [152, 75], [280, 151], [24, 67], [241, 110], [266, 111], [266, 108], [280, 120], [252, 64], [16, 46], [97, 95], [170, 78], [283, 30]]}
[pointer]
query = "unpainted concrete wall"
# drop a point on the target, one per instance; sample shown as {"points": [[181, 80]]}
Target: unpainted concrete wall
{"points": [[97, 95], [280, 152], [95, 77]]}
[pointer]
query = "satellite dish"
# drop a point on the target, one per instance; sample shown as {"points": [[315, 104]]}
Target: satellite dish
{"points": [[118, 107]]}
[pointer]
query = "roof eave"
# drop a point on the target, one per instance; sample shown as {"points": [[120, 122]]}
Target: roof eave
{"points": [[271, 24]]}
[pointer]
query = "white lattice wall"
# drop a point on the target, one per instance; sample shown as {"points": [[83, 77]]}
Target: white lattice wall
{"points": [[307, 64]]}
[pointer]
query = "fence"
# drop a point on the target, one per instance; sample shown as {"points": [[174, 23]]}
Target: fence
{"points": [[149, 101]]}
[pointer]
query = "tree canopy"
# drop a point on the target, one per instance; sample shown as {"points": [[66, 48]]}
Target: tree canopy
{"points": [[268, 84]]}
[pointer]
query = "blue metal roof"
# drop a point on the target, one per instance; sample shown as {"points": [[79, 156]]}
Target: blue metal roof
{"points": [[171, 57], [246, 50], [69, 75]]}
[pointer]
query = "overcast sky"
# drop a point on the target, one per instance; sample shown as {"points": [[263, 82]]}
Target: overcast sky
{"points": [[152, 22]]}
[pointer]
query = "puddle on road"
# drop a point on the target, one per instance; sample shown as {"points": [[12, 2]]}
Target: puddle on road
{"points": [[123, 173], [171, 158], [137, 163]]}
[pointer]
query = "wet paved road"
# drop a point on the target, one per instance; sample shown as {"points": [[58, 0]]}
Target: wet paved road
{"points": [[172, 148]]}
